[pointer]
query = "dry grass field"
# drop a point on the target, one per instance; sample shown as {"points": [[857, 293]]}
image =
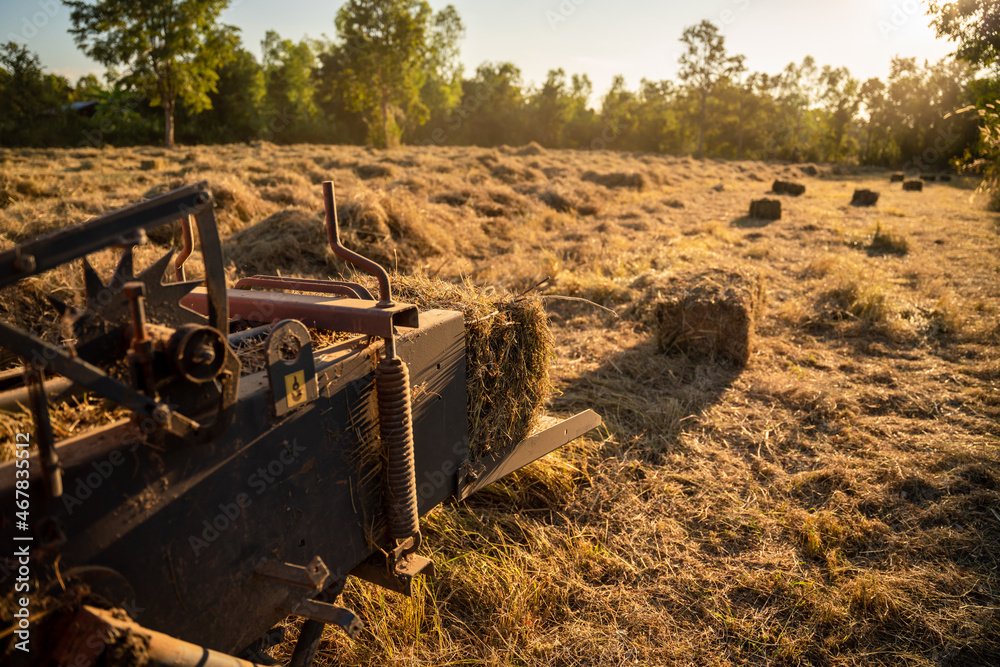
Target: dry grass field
{"points": [[835, 502]]}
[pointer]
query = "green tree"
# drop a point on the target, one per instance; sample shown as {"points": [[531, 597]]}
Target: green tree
{"points": [[657, 122], [620, 116], [290, 85], [492, 110], [31, 101], [839, 95], [387, 45], [703, 65], [171, 48], [237, 103], [875, 105], [974, 24], [343, 122], [550, 109], [794, 93], [582, 125], [442, 88]]}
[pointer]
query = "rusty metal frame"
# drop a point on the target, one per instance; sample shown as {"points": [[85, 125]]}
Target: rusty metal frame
{"points": [[344, 288], [357, 316]]}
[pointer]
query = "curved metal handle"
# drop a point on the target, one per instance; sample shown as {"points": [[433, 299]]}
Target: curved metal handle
{"points": [[351, 257]]}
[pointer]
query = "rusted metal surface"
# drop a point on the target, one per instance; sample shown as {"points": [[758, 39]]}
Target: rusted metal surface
{"points": [[330, 614], [392, 387], [349, 256], [12, 399], [484, 472], [348, 289], [291, 369], [186, 249], [208, 540], [394, 571], [99, 636], [307, 645], [51, 473], [347, 315], [47, 252], [315, 575], [251, 334]]}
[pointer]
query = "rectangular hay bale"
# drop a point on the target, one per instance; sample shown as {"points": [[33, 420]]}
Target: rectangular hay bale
{"points": [[710, 314], [508, 345]]}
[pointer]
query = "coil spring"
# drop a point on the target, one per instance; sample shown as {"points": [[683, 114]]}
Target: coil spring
{"points": [[392, 387]]}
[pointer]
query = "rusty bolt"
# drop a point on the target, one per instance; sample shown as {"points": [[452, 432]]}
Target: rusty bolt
{"points": [[25, 263], [205, 354], [161, 414]]}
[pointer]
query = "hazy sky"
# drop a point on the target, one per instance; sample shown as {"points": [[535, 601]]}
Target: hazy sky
{"points": [[599, 37]]}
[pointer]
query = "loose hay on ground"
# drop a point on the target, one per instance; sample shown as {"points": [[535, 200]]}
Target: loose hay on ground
{"points": [[290, 242]]}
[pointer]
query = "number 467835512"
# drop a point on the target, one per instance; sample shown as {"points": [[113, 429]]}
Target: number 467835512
{"points": [[22, 440]]}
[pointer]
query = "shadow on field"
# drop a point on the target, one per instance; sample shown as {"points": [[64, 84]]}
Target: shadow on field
{"points": [[746, 222], [645, 396]]}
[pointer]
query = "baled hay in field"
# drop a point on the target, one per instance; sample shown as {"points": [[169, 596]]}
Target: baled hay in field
{"points": [[710, 313], [508, 346]]}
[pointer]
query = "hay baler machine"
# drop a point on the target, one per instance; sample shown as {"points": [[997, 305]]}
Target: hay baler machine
{"points": [[221, 503]]}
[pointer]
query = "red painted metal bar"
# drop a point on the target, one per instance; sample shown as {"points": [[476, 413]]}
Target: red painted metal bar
{"points": [[305, 285], [349, 256], [334, 314]]}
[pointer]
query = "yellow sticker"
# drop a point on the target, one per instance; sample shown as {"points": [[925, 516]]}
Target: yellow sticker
{"points": [[295, 388]]}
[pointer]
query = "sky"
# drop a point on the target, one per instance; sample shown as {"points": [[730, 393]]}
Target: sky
{"points": [[601, 38]]}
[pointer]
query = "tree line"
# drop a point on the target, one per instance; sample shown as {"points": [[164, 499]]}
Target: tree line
{"points": [[392, 75]]}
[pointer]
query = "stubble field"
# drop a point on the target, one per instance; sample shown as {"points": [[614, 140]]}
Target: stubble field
{"points": [[836, 502]]}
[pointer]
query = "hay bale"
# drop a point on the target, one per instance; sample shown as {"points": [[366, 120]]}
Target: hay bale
{"points": [[944, 178], [897, 177], [788, 188], [151, 165], [914, 185], [508, 345], [809, 170], [618, 179], [765, 209], [928, 178], [864, 198], [709, 314]]}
